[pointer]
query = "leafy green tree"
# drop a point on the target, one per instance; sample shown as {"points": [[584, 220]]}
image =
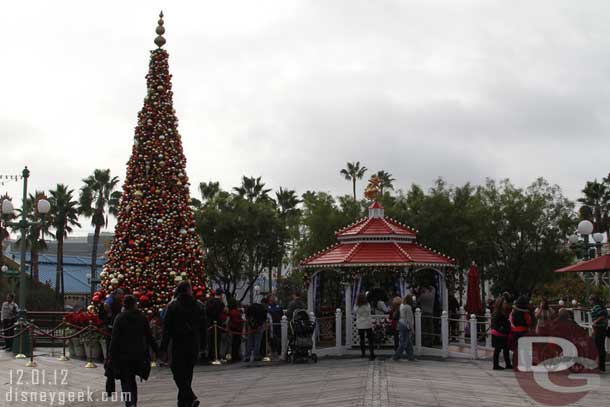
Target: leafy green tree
{"points": [[353, 172], [243, 234], [63, 217], [98, 199], [528, 231], [322, 217]]}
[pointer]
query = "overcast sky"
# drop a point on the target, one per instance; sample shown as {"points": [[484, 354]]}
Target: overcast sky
{"points": [[292, 90]]}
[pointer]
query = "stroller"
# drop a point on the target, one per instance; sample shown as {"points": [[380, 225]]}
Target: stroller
{"points": [[300, 338]]}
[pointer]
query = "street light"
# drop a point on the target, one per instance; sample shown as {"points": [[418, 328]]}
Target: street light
{"points": [[585, 229], [43, 206]]}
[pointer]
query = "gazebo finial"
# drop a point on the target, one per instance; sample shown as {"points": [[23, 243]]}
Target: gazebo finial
{"points": [[160, 40]]}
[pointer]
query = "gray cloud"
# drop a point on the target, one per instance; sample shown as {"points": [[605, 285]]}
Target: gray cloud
{"points": [[293, 90]]}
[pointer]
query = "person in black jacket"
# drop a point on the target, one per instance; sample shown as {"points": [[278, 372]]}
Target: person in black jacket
{"points": [[129, 349], [500, 329], [182, 326], [215, 310]]}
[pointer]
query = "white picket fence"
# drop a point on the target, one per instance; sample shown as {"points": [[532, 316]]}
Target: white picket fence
{"points": [[466, 336]]}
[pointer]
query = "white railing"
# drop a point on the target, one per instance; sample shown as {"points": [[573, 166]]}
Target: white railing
{"points": [[466, 336]]}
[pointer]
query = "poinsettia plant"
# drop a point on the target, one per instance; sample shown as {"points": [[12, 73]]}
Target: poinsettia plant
{"points": [[83, 319]]}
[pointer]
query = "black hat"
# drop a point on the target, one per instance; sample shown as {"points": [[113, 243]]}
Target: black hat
{"points": [[522, 302]]}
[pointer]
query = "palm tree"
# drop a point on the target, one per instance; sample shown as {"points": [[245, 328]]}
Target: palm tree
{"points": [[386, 180], [596, 204], [208, 190], [287, 200], [64, 215], [352, 173], [34, 240], [252, 189], [97, 196]]}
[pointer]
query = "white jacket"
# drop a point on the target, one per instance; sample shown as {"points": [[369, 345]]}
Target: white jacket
{"points": [[363, 317], [406, 316]]}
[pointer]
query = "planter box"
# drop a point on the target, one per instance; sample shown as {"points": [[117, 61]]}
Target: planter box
{"points": [[93, 350], [77, 350], [104, 349]]}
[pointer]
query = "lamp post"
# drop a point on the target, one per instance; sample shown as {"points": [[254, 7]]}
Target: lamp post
{"points": [[43, 207], [585, 229]]}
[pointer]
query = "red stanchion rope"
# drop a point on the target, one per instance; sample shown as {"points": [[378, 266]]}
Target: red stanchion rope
{"points": [[18, 334]]}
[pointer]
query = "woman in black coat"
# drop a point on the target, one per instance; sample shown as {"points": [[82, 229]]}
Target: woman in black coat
{"points": [[129, 349], [500, 329]]}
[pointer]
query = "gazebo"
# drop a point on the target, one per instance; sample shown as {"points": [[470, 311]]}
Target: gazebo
{"points": [[376, 244]]}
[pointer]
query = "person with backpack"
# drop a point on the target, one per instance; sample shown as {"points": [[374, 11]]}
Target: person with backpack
{"points": [[182, 327], [256, 316], [130, 349], [9, 318]]}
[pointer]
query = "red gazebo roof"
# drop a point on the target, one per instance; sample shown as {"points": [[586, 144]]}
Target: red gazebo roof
{"points": [[601, 263], [377, 241], [376, 226]]}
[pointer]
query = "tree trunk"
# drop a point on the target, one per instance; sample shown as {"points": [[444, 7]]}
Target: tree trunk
{"points": [[354, 187], [96, 239]]}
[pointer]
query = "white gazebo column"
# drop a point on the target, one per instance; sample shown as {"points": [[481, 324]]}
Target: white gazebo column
{"points": [[311, 292], [445, 290], [348, 315]]}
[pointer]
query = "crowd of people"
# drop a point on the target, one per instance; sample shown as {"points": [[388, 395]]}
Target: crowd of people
{"points": [[186, 331], [400, 314], [513, 319]]}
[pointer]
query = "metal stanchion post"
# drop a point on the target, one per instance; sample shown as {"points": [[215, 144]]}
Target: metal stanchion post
{"points": [[267, 358], [216, 361], [90, 364], [31, 362], [20, 355], [63, 356]]}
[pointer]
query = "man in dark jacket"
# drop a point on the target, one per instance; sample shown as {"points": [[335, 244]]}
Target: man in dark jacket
{"points": [[215, 310], [129, 349], [182, 326]]}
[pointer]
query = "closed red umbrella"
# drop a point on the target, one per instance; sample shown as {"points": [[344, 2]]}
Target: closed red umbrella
{"points": [[474, 305]]}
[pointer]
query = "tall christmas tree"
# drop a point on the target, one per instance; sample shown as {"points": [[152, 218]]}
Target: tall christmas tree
{"points": [[155, 244]]}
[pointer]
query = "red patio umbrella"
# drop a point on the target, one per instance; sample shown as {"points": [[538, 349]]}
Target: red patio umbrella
{"points": [[474, 305]]}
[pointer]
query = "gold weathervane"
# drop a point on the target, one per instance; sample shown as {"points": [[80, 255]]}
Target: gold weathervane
{"points": [[373, 188]]}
